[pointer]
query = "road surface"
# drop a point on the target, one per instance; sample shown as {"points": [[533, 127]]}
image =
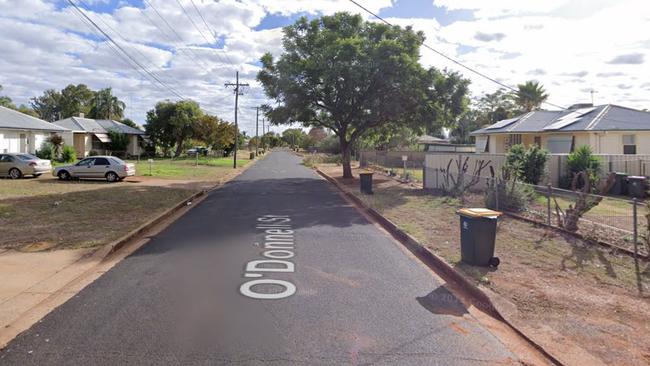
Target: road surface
{"points": [[274, 268]]}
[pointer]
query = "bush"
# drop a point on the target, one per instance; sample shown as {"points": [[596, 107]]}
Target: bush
{"points": [[119, 140], [330, 145], [46, 151], [528, 165], [93, 153], [582, 159], [513, 196], [314, 159], [68, 155]]}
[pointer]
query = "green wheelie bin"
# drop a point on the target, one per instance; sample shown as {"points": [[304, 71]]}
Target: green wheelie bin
{"points": [[478, 228]]}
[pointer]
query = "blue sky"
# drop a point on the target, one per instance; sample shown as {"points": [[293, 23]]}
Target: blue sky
{"points": [[561, 43]]}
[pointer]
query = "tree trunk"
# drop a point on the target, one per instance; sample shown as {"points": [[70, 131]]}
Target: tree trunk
{"points": [[179, 146], [345, 157]]}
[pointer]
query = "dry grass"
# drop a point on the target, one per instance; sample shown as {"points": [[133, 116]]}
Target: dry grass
{"points": [[80, 219], [581, 291]]}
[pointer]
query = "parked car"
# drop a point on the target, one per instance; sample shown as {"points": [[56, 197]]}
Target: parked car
{"points": [[202, 151], [16, 166], [107, 167]]}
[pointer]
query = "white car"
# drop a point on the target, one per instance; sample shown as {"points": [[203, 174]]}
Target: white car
{"points": [[107, 167], [16, 166]]}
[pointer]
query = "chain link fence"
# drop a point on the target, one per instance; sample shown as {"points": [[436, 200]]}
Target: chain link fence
{"points": [[407, 165], [612, 220]]}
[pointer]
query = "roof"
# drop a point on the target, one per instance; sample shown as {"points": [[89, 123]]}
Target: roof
{"points": [[12, 119], [426, 139], [80, 124], [608, 117]]}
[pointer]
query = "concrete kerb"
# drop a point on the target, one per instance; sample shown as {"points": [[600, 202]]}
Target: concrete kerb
{"points": [[105, 255], [472, 293]]}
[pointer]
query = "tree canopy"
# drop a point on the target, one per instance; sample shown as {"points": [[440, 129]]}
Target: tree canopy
{"points": [[530, 95], [350, 76], [105, 105]]}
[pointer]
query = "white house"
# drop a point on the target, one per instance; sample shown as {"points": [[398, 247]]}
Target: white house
{"points": [[21, 133], [92, 135]]}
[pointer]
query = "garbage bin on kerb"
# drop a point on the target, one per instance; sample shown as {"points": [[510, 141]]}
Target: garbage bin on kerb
{"points": [[478, 228], [365, 180], [636, 186], [620, 184]]}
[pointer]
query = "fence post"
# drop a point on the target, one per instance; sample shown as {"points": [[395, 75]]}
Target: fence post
{"points": [[548, 204], [496, 193], [636, 246]]}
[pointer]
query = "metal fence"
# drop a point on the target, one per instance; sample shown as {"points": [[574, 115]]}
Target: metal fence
{"points": [[612, 220]]}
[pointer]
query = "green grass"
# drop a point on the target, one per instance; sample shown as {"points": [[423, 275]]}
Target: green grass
{"points": [[186, 168]]}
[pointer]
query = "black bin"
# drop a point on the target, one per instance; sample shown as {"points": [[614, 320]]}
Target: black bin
{"points": [[366, 182], [252, 156], [620, 184], [636, 186], [478, 228]]}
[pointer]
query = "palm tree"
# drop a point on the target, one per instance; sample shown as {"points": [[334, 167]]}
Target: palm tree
{"points": [[530, 95], [107, 106]]}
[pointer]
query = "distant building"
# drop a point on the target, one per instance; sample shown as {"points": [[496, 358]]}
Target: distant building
{"points": [[436, 144], [21, 133], [607, 129], [92, 135]]}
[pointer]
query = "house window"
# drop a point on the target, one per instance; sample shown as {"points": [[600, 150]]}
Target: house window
{"points": [[97, 145], [482, 144], [537, 140], [515, 139], [560, 144], [629, 144]]}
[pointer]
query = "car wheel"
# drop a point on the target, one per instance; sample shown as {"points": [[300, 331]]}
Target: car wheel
{"points": [[112, 177], [15, 173], [64, 175]]}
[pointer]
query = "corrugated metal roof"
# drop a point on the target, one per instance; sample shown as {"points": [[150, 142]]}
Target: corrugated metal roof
{"points": [[603, 118], [12, 119], [97, 125]]}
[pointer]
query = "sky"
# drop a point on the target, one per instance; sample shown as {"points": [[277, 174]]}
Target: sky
{"points": [[194, 47]]}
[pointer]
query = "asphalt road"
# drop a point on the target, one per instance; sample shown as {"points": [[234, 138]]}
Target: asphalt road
{"points": [[335, 291]]}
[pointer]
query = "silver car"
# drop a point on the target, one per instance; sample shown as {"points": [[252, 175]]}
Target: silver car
{"points": [[16, 166], [106, 167]]}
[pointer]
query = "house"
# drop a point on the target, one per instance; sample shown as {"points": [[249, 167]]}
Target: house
{"points": [[92, 135], [436, 144], [607, 129], [21, 133]]}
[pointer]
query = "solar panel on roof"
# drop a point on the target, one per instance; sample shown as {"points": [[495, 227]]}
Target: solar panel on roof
{"points": [[502, 123], [569, 118]]}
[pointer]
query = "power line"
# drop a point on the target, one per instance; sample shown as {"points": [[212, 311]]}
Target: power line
{"points": [[197, 27], [111, 40], [169, 26], [212, 32], [452, 59]]}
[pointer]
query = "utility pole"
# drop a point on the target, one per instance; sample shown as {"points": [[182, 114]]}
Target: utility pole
{"points": [[263, 133], [237, 85], [257, 136]]}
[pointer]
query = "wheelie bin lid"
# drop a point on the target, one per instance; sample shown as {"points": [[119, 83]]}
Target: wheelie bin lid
{"points": [[479, 212]]}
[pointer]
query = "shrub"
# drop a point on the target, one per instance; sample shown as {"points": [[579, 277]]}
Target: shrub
{"points": [[330, 145], [314, 159], [46, 151], [56, 141], [528, 165], [580, 160], [119, 140], [513, 196], [68, 155], [93, 153]]}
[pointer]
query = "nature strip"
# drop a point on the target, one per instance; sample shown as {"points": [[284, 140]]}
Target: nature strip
{"points": [[475, 296]]}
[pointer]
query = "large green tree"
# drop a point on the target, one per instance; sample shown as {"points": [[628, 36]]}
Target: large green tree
{"points": [[293, 136], [5, 101], [47, 106], [350, 76], [215, 132], [170, 124], [75, 99], [530, 95], [105, 105]]}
